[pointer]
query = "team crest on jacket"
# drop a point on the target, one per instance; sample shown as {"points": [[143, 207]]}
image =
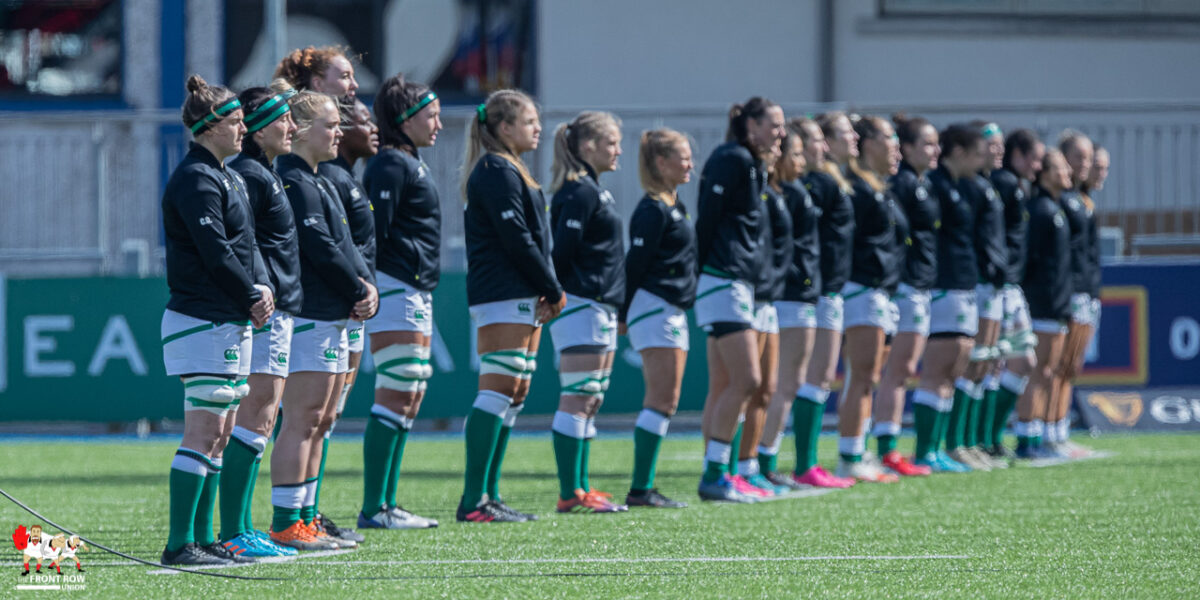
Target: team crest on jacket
{"points": [[921, 193], [606, 197]]}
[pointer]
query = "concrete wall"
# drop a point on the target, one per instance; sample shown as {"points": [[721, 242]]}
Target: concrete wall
{"points": [[712, 52], [675, 53], [980, 60]]}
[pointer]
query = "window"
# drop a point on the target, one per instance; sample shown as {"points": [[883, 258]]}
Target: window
{"points": [[464, 49], [60, 48]]}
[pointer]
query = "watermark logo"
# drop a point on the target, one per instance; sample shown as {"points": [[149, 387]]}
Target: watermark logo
{"points": [[40, 549]]}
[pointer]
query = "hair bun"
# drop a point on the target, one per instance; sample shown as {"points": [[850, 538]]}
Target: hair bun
{"points": [[195, 83], [280, 85]]}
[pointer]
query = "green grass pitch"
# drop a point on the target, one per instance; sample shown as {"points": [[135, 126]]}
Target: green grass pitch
{"points": [[1126, 526]]}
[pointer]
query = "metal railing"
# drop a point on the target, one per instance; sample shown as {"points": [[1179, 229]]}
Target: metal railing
{"points": [[81, 191]]}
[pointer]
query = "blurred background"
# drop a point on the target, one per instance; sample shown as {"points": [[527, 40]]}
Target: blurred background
{"points": [[90, 93]]}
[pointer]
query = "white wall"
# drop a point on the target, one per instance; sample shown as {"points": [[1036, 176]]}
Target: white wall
{"points": [[991, 61], [676, 53], [673, 53]]}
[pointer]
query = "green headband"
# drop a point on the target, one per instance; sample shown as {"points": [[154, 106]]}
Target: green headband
{"points": [[416, 108], [220, 113], [991, 129], [271, 110], [482, 111]]}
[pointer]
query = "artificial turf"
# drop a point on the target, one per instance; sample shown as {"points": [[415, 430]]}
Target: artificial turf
{"points": [[1125, 526]]}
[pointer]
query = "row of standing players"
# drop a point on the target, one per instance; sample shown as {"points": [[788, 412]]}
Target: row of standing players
{"points": [[280, 238]]}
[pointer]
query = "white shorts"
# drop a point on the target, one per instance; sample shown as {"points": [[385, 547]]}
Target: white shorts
{"points": [[1096, 307], [192, 345], [794, 315], [355, 334], [870, 307], [766, 319], [584, 323], [272, 345], [830, 312], [319, 346], [519, 311], [1084, 310], [402, 308], [1016, 311], [989, 302], [953, 311], [913, 310], [655, 323], [723, 301], [1049, 326]]}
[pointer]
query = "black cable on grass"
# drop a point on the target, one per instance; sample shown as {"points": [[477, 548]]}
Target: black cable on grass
{"points": [[128, 556]]}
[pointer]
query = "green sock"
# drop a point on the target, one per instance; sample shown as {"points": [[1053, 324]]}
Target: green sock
{"points": [[735, 444], [308, 512], [379, 445], [320, 476], [646, 445], [1006, 401], [887, 443], [237, 469], [648, 435], [956, 426], [926, 420], [186, 488], [567, 455], [971, 426], [482, 430], [393, 479], [806, 424], [248, 503], [767, 463], [493, 479], [987, 416], [284, 517], [203, 526], [714, 470], [585, 455]]}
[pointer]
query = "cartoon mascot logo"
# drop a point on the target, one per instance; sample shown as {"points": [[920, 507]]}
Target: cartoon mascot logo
{"points": [[37, 546]]}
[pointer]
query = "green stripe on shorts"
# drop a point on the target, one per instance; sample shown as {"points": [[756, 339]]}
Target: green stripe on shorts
{"points": [[858, 293], [303, 328], [570, 311], [645, 315], [712, 291], [392, 292], [187, 332]]}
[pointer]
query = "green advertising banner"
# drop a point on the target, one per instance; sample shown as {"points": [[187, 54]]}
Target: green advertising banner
{"points": [[89, 350]]}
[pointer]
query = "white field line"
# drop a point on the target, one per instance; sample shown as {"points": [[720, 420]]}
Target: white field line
{"points": [[692, 559], [1039, 463], [550, 561]]}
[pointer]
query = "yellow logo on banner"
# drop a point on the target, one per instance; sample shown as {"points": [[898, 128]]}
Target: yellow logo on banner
{"points": [[1120, 409]]}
